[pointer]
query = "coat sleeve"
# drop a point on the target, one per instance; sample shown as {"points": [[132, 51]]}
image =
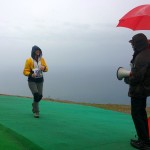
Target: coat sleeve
{"points": [[138, 73], [45, 65], [27, 68]]}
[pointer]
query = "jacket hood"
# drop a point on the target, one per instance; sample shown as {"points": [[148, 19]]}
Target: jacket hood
{"points": [[139, 42], [34, 49]]}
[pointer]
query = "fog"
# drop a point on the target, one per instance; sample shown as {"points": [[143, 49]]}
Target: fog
{"points": [[80, 42]]}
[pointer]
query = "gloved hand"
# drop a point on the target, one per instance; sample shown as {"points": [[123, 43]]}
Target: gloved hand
{"points": [[126, 80]]}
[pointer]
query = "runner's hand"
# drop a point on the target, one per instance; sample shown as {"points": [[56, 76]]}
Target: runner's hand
{"points": [[33, 75], [42, 68]]}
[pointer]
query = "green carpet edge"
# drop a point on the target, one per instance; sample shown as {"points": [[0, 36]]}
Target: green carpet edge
{"points": [[19, 139]]}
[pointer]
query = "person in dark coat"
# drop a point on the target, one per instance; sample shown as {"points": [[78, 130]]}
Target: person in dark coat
{"points": [[139, 89]]}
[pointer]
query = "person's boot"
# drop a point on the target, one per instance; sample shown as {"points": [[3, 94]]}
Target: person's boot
{"points": [[35, 109], [140, 144], [36, 115]]}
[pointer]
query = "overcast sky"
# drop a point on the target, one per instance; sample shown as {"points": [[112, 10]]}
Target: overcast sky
{"points": [[74, 35]]}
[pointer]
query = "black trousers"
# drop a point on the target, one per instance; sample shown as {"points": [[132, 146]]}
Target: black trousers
{"points": [[139, 116]]}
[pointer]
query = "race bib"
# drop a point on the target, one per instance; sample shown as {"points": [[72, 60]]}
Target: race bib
{"points": [[38, 73]]}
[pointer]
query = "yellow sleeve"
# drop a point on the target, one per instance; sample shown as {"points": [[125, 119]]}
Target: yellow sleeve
{"points": [[27, 67], [44, 64]]}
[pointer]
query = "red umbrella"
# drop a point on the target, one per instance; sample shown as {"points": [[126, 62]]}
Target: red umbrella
{"points": [[137, 18]]}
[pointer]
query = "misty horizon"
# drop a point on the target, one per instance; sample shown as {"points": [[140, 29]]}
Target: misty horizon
{"points": [[80, 42]]}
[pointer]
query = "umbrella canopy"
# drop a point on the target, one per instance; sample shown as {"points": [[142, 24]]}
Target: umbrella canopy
{"points": [[137, 18]]}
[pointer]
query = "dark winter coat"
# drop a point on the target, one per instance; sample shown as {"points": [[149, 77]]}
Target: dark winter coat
{"points": [[139, 81]]}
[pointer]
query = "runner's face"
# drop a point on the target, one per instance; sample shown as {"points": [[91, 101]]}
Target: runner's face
{"points": [[37, 52]]}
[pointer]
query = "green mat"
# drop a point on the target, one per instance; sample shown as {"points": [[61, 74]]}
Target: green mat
{"points": [[64, 126], [10, 140]]}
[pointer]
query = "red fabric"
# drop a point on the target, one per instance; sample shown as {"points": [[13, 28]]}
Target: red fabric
{"points": [[137, 18]]}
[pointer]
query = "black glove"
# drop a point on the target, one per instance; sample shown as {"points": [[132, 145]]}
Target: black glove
{"points": [[126, 80]]}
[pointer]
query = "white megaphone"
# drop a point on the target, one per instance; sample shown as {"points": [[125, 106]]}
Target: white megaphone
{"points": [[122, 73]]}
